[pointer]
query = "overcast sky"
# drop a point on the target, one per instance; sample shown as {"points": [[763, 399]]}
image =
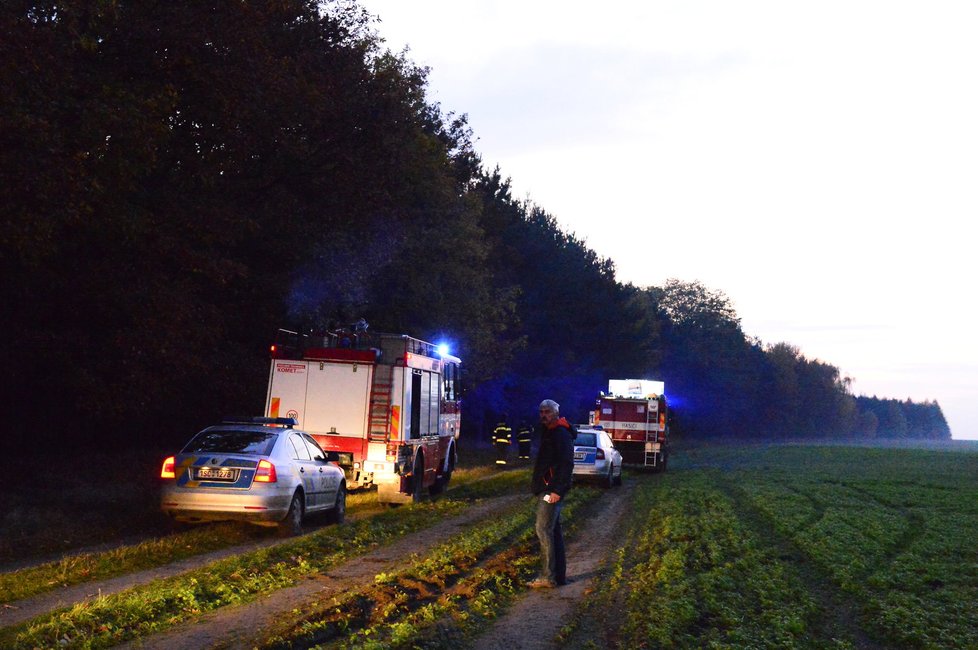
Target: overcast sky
{"points": [[816, 162]]}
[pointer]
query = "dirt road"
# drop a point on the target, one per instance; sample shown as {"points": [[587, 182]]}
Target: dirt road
{"points": [[533, 621]]}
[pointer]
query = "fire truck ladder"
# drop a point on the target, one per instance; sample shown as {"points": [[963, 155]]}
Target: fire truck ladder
{"points": [[650, 455], [381, 390]]}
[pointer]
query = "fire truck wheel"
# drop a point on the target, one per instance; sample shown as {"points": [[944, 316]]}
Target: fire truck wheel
{"points": [[442, 481], [292, 524], [418, 492], [338, 513]]}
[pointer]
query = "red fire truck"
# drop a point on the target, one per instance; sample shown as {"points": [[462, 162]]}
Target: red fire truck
{"points": [[635, 413], [387, 403]]}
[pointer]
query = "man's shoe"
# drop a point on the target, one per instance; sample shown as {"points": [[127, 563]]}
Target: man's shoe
{"points": [[541, 583], [565, 581]]}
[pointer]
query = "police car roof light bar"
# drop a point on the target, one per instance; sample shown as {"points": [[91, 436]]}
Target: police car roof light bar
{"points": [[286, 422]]}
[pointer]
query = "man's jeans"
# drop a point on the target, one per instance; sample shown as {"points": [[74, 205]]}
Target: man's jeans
{"points": [[554, 564]]}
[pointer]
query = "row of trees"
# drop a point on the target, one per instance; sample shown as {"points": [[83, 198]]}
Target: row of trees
{"points": [[181, 179]]}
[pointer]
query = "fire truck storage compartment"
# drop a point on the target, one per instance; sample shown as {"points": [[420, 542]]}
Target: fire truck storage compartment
{"points": [[342, 390]]}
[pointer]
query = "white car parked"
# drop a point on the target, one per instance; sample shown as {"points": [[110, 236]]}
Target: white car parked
{"points": [[595, 456], [259, 470]]}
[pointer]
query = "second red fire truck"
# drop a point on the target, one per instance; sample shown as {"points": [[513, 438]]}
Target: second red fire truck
{"points": [[388, 403], [635, 413]]}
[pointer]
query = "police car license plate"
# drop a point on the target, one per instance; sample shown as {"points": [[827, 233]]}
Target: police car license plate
{"points": [[578, 455], [218, 473]]}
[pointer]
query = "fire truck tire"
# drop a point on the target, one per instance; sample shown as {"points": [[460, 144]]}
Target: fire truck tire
{"points": [[337, 514], [442, 481], [418, 483], [292, 524]]}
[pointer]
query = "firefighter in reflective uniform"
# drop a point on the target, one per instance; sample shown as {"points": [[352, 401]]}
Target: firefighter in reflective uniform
{"points": [[502, 436], [523, 439]]}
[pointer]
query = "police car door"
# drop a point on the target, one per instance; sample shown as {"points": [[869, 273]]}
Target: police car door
{"points": [[326, 482], [306, 471]]}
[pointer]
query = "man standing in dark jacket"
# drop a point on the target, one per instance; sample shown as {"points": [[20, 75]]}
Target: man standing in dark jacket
{"points": [[551, 482]]}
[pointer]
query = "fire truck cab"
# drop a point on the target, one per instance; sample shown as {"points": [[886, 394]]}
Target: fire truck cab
{"points": [[388, 404], [635, 413]]}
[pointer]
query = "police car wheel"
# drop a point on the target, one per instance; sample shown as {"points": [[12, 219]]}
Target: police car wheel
{"points": [[292, 524], [338, 513]]}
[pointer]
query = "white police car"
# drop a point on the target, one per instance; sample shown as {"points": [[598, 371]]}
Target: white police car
{"points": [[595, 456], [259, 470]]}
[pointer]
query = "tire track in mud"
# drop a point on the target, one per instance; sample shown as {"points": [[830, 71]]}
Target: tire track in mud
{"points": [[840, 611], [534, 620], [239, 626], [916, 525], [818, 507]]}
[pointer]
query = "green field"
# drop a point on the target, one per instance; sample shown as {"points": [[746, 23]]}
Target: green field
{"points": [[736, 546], [797, 547]]}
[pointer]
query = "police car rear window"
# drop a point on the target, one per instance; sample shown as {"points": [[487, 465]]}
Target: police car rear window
{"points": [[232, 441], [585, 439]]}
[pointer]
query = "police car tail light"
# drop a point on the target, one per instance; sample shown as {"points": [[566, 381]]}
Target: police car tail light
{"points": [[265, 473], [168, 468], [599, 454]]}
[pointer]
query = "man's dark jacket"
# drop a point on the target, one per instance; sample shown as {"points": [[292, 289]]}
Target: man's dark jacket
{"points": [[555, 462]]}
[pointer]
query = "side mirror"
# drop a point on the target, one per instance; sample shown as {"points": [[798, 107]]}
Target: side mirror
{"points": [[333, 456]]}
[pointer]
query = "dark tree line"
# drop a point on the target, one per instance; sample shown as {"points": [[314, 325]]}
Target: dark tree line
{"points": [[895, 419], [181, 179]]}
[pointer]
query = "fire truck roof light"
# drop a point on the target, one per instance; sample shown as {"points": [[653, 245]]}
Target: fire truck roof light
{"points": [[636, 388]]}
